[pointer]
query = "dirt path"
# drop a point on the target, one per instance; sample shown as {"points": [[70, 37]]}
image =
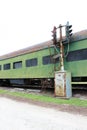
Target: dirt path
{"points": [[15, 115], [64, 108]]}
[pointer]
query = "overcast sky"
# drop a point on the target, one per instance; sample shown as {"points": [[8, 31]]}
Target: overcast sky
{"points": [[27, 22]]}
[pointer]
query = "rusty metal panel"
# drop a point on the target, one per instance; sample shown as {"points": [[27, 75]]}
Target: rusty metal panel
{"points": [[63, 84], [60, 84]]}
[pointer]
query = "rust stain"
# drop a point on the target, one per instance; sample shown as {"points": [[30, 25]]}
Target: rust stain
{"points": [[60, 84]]}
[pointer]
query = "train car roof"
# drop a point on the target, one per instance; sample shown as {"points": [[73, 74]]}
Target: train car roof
{"points": [[29, 49], [81, 35]]}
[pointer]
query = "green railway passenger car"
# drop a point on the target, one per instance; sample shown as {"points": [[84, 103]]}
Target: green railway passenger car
{"points": [[36, 65]]}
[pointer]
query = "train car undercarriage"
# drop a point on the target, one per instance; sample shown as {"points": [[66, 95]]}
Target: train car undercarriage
{"points": [[43, 83]]}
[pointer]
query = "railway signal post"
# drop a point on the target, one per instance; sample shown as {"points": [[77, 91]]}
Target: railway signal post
{"points": [[62, 77], [61, 50]]}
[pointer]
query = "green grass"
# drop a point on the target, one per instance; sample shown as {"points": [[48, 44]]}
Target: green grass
{"points": [[48, 99]]}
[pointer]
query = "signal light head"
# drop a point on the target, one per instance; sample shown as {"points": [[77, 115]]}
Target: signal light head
{"points": [[68, 31], [70, 26], [54, 36]]}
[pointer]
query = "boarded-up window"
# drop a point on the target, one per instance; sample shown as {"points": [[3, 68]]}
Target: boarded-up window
{"points": [[17, 65], [47, 60], [6, 66], [31, 62]]}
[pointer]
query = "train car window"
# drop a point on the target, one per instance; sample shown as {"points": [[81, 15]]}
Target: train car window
{"points": [[0, 67], [6, 66], [31, 62], [17, 65], [77, 55], [47, 60]]}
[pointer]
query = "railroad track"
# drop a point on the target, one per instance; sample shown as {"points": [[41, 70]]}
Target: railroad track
{"points": [[77, 93]]}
